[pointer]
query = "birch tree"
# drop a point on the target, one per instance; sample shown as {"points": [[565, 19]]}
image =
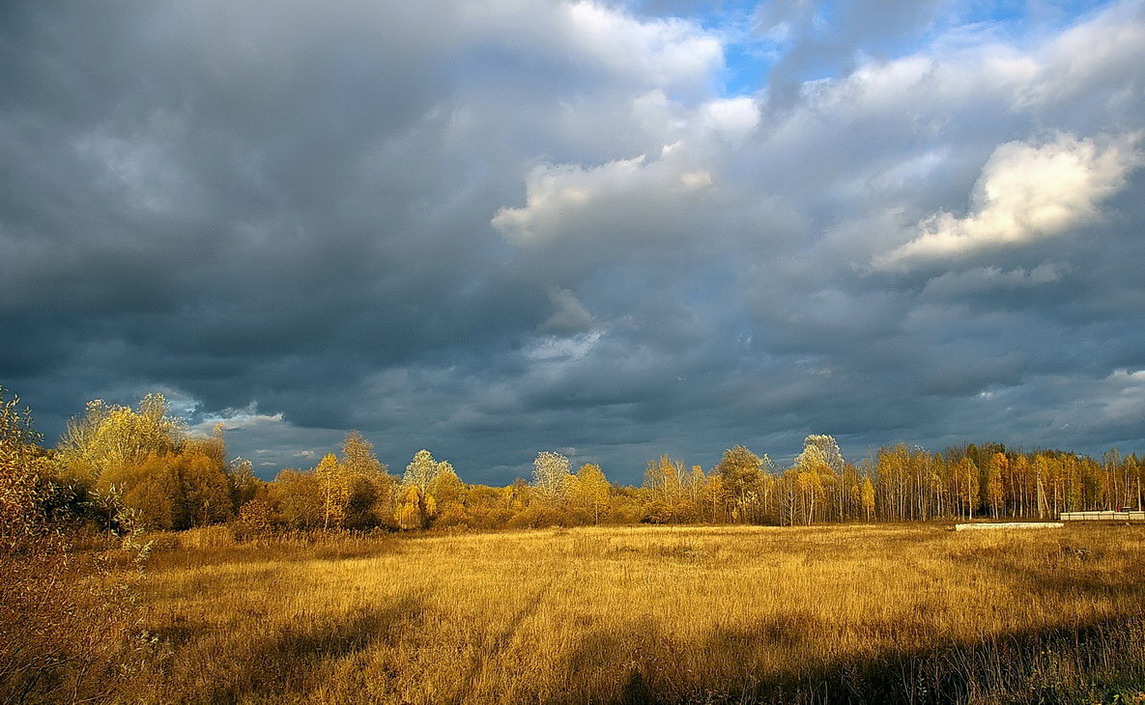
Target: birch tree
{"points": [[549, 470]]}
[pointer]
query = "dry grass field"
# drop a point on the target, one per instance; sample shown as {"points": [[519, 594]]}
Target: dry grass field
{"points": [[660, 615]]}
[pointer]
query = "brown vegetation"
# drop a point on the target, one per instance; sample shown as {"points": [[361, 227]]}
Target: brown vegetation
{"points": [[670, 615], [68, 617]]}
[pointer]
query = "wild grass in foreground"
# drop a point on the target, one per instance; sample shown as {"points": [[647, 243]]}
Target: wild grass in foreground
{"points": [[659, 615]]}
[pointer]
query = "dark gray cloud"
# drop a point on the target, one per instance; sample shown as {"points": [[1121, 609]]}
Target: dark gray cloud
{"points": [[489, 229]]}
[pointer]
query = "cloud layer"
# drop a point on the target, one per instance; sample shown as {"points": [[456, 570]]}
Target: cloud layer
{"points": [[1026, 192], [611, 229]]}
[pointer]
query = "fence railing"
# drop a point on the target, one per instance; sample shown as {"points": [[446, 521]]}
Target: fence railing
{"points": [[1104, 516]]}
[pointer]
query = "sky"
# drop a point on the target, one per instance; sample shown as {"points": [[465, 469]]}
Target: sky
{"points": [[610, 228]]}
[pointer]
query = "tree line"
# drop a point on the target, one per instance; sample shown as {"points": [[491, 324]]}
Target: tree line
{"points": [[123, 467]]}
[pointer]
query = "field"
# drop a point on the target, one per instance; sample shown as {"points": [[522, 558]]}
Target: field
{"points": [[909, 613]]}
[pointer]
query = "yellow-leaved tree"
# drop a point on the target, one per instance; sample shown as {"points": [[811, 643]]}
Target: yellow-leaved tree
{"points": [[372, 498], [108, 436], [868, 497], [742, 477], [966, 477], [334, 489], [146, 456], [593, 491], [414, 508]]}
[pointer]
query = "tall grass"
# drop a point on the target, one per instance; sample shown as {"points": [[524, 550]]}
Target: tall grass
{"points": [[660, 615]]}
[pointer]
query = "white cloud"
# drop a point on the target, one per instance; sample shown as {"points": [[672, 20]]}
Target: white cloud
{"points": [[558, 349], [649, 196], [735, 117], [570, 317], [663, 52], [632, 197], [1126, 400], [1026, 192], [1112, 42], [247, 417]]}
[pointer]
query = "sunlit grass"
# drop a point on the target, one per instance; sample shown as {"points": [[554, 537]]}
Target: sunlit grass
{"points": [[646, 614]]}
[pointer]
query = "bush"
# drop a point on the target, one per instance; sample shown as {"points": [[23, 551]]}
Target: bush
{"points": [[68, 619], [68, 624]]}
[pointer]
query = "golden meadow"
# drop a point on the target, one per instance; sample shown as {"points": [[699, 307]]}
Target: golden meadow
{"points": [[654, 614], [883, 613]]}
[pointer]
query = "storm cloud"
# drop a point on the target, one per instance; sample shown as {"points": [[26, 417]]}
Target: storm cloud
{"points": [[612, 229]]}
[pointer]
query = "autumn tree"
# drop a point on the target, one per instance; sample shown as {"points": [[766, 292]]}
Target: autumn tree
{"points": [[358, 455], [107, 436], [244, 485], [868, 497], [665, 480], [424, 475], [414, 509], [147, 456], [334, 489], [447, 486], [809, 470], [298, 497], [966, 477], [448, 493], [371, 487], [256, 518], [828, 447], [408, 513], [996, 468], [422, 469], [817, 475], [68, 627], [549, 470], [742, 478], [174, 490], [593, 491]]}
